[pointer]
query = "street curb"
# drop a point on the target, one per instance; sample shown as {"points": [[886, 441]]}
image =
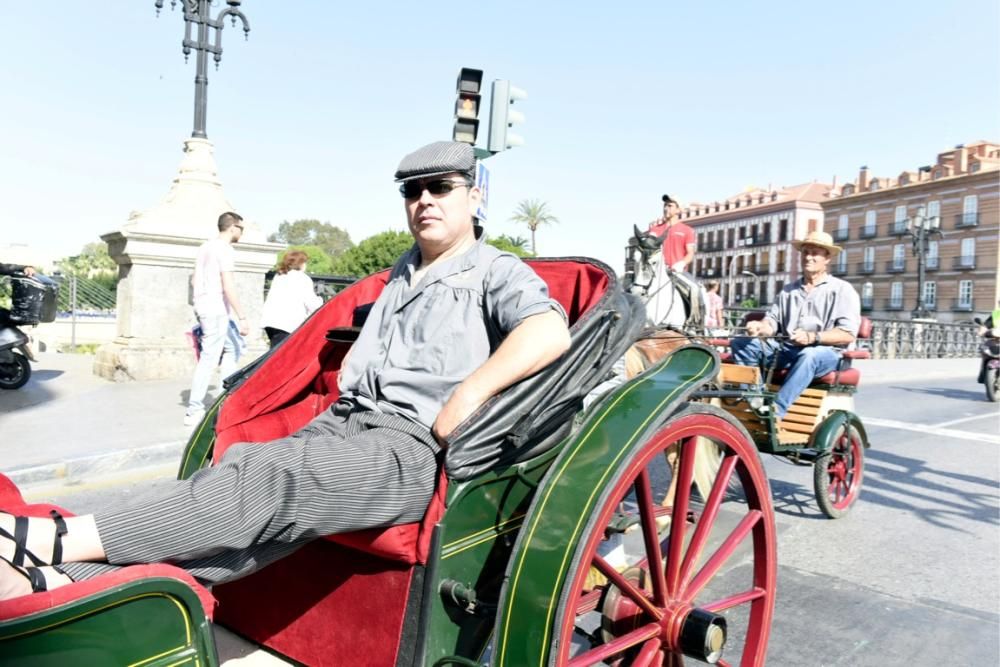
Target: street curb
{"points": [[78, 470]]}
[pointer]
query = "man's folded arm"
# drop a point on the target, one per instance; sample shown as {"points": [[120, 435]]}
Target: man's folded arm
{"points": [[531, 346]]}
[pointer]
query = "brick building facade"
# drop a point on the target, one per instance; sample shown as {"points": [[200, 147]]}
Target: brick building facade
{"points": [[869, 218], [744, 241]]}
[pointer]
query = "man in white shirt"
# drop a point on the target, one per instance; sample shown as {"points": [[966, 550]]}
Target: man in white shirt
{"points": [[214, 301]]}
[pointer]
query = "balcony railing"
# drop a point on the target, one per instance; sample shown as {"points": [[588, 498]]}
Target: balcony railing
{"points": [[711, 247], [932, 263], [866, 267], [841, 234], [898, 228], [868, 232], [893, 305], [903, 339], [867, 304], [760, 239], [895, 266], [966, 220], [961, 306], [839, 270], [964, 262]]}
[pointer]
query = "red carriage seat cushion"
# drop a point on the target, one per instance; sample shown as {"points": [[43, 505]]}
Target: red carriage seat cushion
{"points": [[299, 380], [12, 502]]}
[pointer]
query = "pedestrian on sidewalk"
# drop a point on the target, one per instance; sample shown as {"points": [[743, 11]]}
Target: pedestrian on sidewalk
{"points": [[215, 303], [291, 299]]}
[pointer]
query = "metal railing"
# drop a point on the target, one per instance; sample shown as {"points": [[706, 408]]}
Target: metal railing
{"points": [[895, 266], [964, 262], [966, 220], [841, 234], [868, 232], [903, 339]]}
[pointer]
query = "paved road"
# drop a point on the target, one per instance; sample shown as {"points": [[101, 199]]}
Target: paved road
{"points": [[912, 575]]}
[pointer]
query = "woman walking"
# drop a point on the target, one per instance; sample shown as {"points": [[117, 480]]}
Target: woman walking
{"points": [[291, 298]]}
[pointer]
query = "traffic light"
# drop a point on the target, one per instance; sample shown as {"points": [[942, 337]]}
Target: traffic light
{"points": [[503, 117], [469, 88]]}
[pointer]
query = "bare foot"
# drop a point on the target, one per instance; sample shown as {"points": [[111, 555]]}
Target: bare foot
{"points": [[39, 543], [15, 581]]}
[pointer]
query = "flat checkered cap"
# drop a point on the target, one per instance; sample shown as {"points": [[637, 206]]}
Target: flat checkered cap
{"points": [[441, 157]]}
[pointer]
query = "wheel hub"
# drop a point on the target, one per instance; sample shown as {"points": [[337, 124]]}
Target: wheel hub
{"points": [[684, 629]]}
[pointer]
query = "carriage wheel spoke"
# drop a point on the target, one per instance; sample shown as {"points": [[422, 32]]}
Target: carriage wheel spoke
{"points": [[685, 473], [648, 653], [636, 595], [616, 645], [651, 537], [726, 550], [708, 516], [734, 600]]}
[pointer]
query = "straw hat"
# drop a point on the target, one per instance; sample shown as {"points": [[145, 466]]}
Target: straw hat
{"points": [[819, 239]]}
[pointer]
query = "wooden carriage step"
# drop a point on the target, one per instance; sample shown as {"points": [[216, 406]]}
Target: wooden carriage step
{"points": [[790, 438], [807, 393], [799, 419], [785, 425]]}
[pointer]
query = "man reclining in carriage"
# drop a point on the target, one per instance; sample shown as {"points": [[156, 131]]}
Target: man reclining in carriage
{"points": [[819, 315], [372, 458]]}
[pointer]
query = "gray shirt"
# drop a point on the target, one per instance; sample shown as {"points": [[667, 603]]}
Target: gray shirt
{"points": [[419, 343], [833, 303]]}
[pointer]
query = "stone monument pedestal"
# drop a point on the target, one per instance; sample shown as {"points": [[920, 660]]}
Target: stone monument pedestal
{"points": [[155, 252]]}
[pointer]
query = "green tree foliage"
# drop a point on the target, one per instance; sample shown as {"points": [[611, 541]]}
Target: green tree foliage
{"points": [[534, 213], [517, 245], [320, 263], [373, 254], [749, 302], [332, 239], [93, 263]]}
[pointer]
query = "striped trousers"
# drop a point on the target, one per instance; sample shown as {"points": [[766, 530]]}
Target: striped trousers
{"points": [[345, 471]]}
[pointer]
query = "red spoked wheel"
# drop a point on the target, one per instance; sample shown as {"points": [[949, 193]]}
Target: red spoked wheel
{"points": [[837, 473], [676, 561]]}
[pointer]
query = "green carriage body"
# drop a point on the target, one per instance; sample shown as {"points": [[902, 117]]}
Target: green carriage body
{"points": [[502, 558]]}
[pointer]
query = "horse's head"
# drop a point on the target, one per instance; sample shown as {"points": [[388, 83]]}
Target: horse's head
{"points": [[639, 252]]}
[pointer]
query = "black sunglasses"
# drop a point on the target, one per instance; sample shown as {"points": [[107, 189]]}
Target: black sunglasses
{"points": [[438, 187]]}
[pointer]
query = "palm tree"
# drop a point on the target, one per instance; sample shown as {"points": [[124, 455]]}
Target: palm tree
{"points": [[518, 242], [533, 212]]}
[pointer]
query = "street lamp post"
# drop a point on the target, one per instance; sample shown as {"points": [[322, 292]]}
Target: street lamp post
{"points": [[197, 13], [921, 228]]}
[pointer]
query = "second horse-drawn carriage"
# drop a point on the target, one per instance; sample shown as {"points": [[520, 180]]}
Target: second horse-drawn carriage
{"points": [[558, 534]]}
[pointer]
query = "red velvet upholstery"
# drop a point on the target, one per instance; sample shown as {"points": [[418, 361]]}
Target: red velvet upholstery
{"points": [[11, 501], [848, 376]]}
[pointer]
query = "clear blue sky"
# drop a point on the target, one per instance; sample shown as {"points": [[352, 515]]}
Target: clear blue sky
{"points": [[311, 115]]}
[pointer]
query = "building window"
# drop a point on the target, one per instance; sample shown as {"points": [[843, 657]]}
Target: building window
{"points": [[874, 185], [965, 294], [970, 211], [867, 295], [842, 223], [932, 257], [898, 256], [900, 214], [968, 255], [869, 259], [896, 295], [934, 209], [930, 295], [871, 223]]}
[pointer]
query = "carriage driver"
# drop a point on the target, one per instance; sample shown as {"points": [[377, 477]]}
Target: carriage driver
{"points": [[370, 460], [818, 313]]}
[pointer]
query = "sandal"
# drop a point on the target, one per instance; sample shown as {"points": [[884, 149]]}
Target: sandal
{"points": [[20, 540], [38, 577]]}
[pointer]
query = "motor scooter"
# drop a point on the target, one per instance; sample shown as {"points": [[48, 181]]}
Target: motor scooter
{"points": [[33, 300], [989, 367]]}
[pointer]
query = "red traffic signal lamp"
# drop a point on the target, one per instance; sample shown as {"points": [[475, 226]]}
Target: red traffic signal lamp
{"points": [[469, 93]]}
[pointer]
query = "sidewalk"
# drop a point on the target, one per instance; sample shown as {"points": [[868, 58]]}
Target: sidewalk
{"points": [[67, 426]]}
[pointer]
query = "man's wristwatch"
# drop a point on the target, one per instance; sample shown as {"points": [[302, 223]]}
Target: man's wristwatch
{"points": [[816, 340]]}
